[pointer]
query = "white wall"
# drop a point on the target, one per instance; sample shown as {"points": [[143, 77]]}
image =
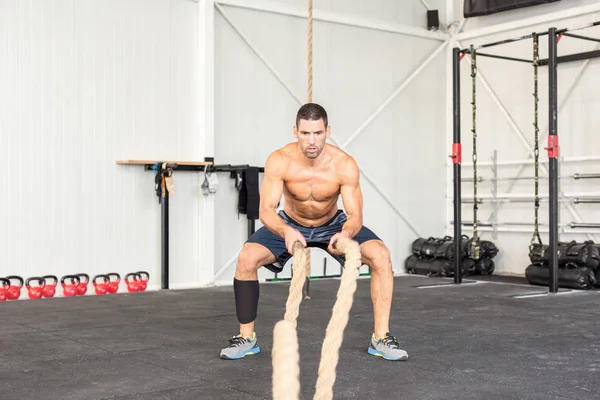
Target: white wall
{"points": [[401, 151], [85, 83], [578, 123]]}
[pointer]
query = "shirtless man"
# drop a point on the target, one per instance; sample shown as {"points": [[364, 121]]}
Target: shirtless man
{"points": [[311, 175]]}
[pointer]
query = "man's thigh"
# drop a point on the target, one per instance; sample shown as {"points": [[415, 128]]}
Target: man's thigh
{"points": [[274, 243]]}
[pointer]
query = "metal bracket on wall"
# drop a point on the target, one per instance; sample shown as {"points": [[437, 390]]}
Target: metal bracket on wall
{"points": [[193, 166]]}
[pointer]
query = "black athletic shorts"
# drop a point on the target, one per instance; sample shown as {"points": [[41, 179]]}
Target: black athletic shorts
{"points": [[318, 236]]}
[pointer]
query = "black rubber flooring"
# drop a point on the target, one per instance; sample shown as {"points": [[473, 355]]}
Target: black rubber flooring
{"points": [[474, 341]]}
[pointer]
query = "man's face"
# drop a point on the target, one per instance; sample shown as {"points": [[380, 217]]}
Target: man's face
{"points": [[312, 137]]}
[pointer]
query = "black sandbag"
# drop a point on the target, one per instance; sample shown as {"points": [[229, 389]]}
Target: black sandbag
{"points": [[428, 267], [486, 249], [469, 267], [485, 266], [428, 247], [570, 276], [586, 254], [437, 267]]}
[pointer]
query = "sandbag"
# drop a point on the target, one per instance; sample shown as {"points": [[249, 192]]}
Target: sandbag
{"points": [[484, 266], [586, 254], [429, 267], [443, 248], [487, 249], [428, 247], [570, 276], [436, 267]]}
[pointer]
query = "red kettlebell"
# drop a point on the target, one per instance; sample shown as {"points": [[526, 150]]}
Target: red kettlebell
{"points": [[83, 284], [134, 284], [14, 291], [35, 292], [4, 289], [145, 277], [50, 288], [101, 287], [113, 285], [70, 289]]}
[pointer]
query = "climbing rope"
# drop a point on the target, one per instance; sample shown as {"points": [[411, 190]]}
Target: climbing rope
{"points": [[536, 150], [310, 35], [285, 358]]}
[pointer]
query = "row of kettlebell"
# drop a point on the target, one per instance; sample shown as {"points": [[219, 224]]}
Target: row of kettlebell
{"points": [[73, 285]]}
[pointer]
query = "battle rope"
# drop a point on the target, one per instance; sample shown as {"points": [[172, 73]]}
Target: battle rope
{"points": [[300, 270], [536, 150], [285, 358], [339, 319]]}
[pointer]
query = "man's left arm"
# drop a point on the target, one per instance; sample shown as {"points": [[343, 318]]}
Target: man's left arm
{"points": [[352, 200]]}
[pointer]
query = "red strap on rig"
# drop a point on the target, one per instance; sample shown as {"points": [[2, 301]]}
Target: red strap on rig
{"points": [[552, 146], [456, 155]]}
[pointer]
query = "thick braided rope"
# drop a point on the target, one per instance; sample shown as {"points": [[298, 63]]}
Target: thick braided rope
{"points": [[310, 35], [285, 354], [339, 319], [285, 362], [300, 269]]}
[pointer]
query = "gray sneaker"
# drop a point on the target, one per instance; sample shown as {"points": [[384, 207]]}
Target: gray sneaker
{"points": [[240, 347], [388, 348]]}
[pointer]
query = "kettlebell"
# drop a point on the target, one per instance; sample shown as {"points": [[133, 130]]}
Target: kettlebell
{"points": [[35, 292], [83, 283], [113, 286], [134, 284], [14, 291], [4, 289], [145, 277], [70, 289], [50, 288], [101, 287]]}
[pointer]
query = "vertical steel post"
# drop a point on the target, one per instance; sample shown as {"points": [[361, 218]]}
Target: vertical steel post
{"points": [[553, 157], [457, 160]]}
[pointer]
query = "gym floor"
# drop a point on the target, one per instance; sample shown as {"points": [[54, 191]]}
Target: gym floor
{"points": [[476, 341]]}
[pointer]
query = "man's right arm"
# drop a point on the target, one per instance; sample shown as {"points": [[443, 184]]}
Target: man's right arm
{"points": [[270, 194]]}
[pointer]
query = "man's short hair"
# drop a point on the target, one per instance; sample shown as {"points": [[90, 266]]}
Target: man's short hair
{"points": [[312, 112]]}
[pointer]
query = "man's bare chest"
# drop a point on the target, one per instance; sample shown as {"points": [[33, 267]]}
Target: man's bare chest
{"points": [[312, 185]]}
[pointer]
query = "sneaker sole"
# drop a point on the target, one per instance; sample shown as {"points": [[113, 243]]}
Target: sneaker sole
{"points": [[250, 352], [376, 353]]}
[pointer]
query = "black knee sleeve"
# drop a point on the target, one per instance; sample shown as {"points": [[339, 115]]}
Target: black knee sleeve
{"points": [[246, 300]]}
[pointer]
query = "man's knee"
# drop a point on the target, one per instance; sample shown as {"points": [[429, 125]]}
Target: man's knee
{"points": [[378, 256], [245, 285], [249, 259]]}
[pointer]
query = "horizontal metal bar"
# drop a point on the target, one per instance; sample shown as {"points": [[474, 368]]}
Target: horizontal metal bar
{"points": [[575, 225], [530, 161], [581, 37], [576, 176], [576, 200], [528, 230], [211, 168], [586, 55], [586, 176], [578, 28], [565, 195], [572, 225], [504, 58], [595, 200], [505, 41]]}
